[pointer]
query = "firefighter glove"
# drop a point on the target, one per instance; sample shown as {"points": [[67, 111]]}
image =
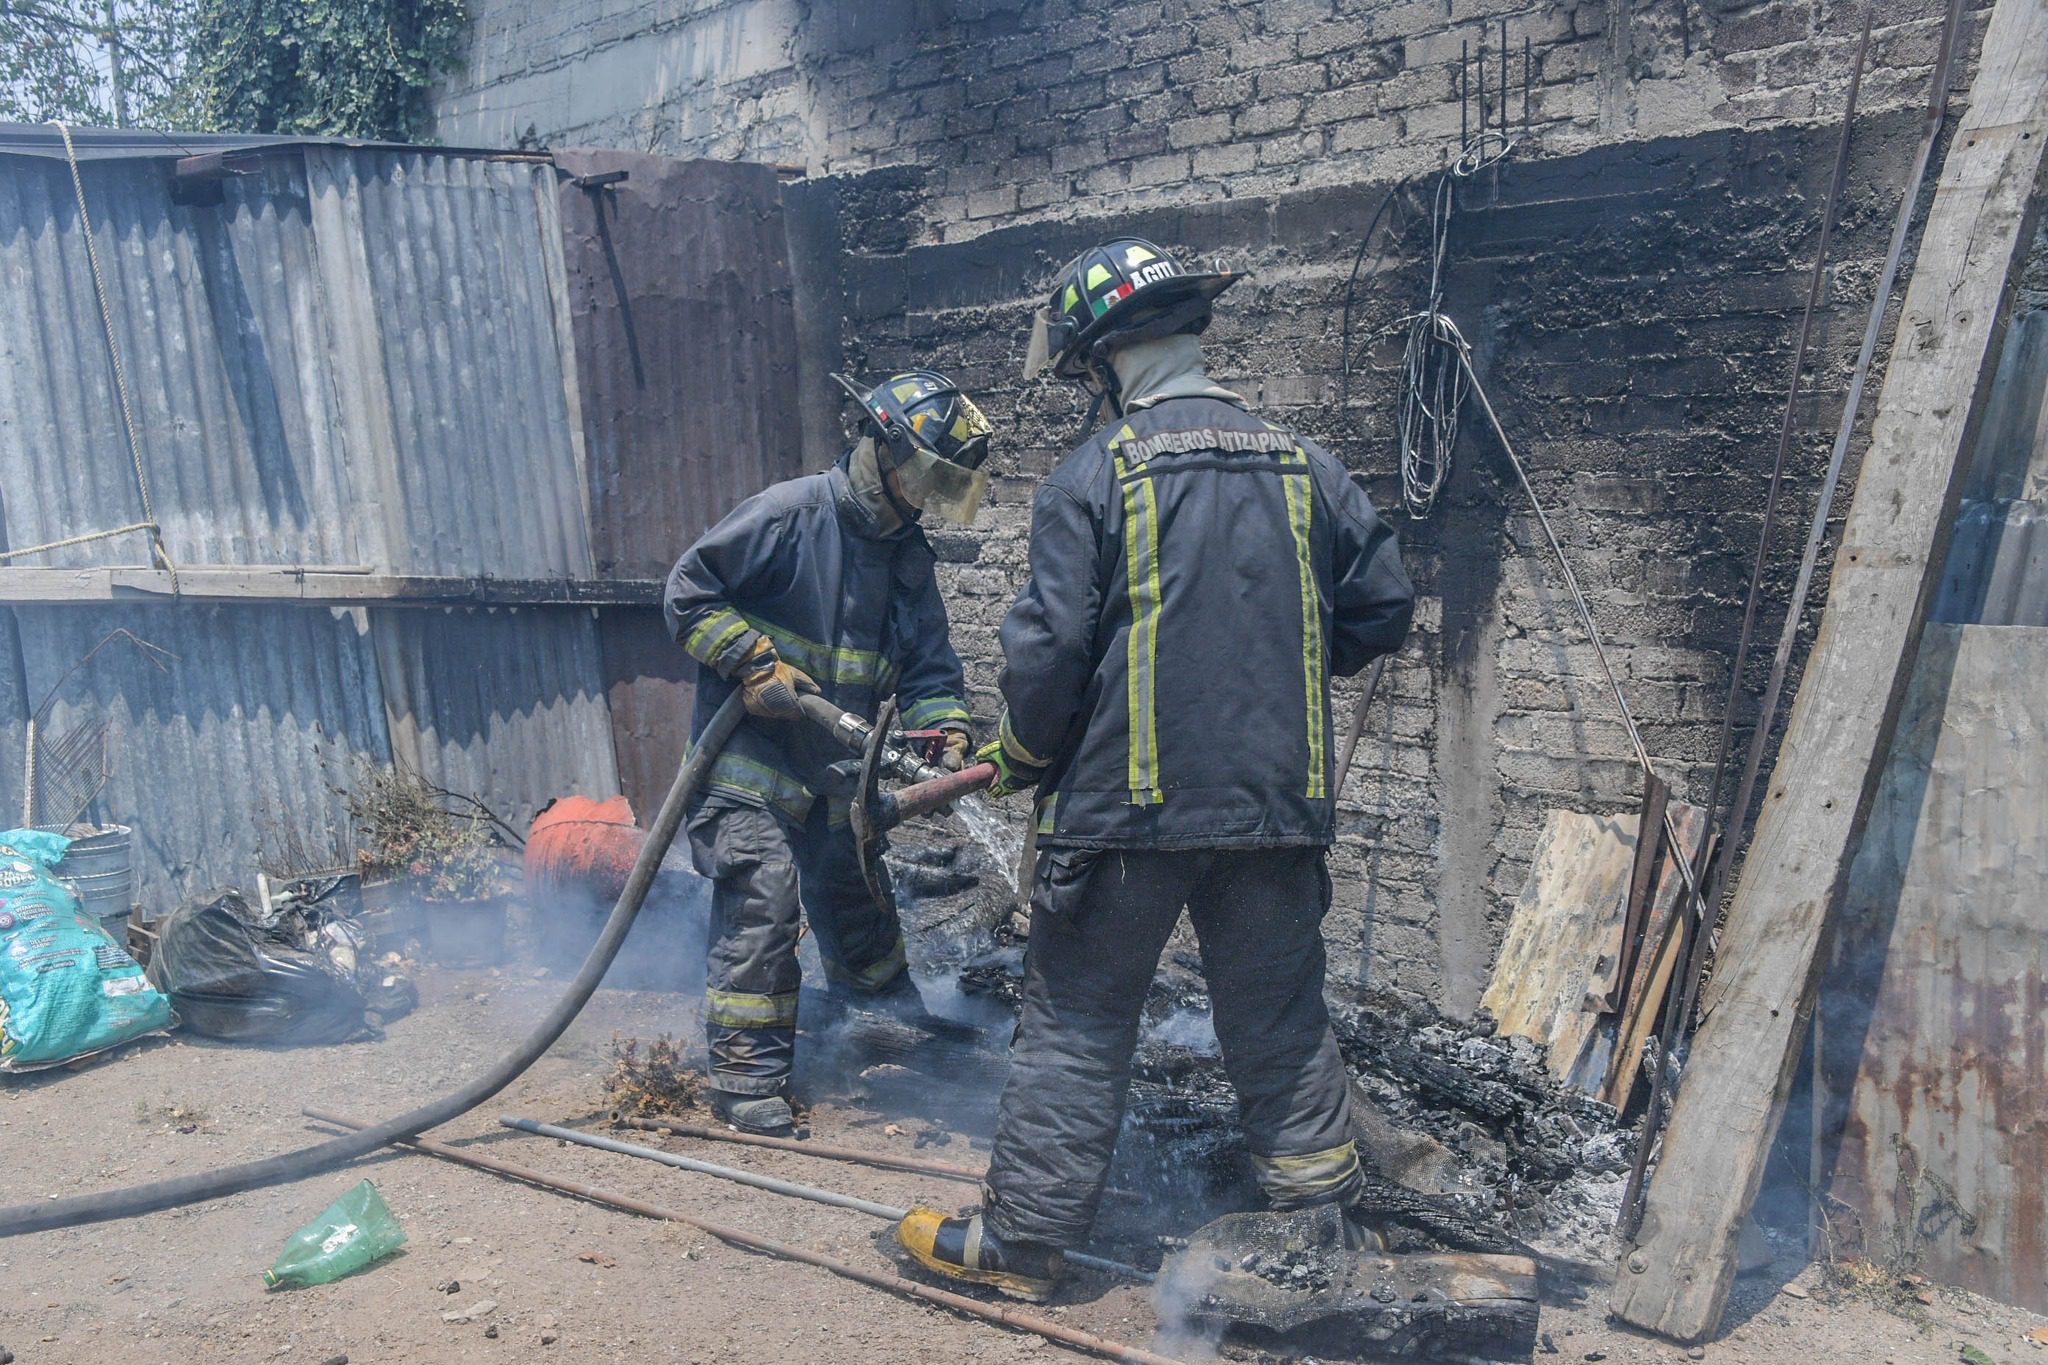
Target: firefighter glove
{"points": [[954, 758], [1012, 774], [771, 687]]}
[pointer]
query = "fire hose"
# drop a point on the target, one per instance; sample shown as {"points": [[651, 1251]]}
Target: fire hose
{"points": [[935, 789]]}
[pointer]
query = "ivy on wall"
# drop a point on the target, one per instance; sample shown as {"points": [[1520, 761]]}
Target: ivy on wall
{"points": [[345, 68], [342, 68]]}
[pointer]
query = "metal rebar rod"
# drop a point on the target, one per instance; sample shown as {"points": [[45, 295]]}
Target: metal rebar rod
{"points": [[895, 1284], [945, 1170], [1357, 727], [690, 1163], [825, 1151], [774, 1186]]}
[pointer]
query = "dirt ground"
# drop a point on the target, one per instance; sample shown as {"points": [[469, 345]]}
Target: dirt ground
{"points": [[184, 1285]]}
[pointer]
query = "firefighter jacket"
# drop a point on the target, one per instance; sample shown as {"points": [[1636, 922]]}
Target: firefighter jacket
{"points": [[804, 563], [1197, 574]]}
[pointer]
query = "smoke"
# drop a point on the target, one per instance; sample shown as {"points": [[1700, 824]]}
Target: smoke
{"points": [[664, 951]]}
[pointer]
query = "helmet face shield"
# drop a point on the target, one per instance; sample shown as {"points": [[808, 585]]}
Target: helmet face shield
{"points": [[935, 439], [936, 485], [1038, 354], [950, 483]]}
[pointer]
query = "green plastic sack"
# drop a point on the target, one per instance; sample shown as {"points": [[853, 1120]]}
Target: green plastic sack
{"points": [[350, 1233], [66, 988]]}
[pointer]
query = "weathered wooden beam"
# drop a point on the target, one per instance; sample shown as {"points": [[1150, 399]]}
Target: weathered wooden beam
{"points": [[1675, 1279], [328, 586]]}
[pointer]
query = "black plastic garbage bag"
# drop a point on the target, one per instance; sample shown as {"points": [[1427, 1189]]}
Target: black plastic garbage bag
{"points": [[233, 974]]}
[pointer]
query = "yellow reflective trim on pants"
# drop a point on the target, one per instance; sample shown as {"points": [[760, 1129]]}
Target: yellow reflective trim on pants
{"points": [[1141, 554], [875, 975], [713, 634], [1047, 809], [1303, 1179], [1300, 513], [740, 1009], [825, 663]]}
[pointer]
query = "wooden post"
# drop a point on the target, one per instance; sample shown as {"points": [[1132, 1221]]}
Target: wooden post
{"points": [[1675, 1279]]}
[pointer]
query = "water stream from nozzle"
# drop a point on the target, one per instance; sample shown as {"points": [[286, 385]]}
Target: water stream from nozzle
{"points": [[1002, 841]]}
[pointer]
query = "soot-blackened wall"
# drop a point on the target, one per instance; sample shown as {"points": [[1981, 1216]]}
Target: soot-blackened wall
{"points": [[1633, 311], [1630, 279]]}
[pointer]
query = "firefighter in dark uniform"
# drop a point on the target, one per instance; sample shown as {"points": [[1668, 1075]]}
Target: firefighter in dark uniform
{"points": [[1197, 576], [818, 584]]}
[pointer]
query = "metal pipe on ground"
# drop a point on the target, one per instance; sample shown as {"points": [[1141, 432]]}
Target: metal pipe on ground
{"points": [[775, 1186], [945, 1170], [895, 1284], [825, 1151]]}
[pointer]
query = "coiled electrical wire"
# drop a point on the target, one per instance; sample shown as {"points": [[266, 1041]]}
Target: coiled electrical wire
{"points": [[1434, 365]]}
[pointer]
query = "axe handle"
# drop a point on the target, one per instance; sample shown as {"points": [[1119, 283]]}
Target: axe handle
{"points": [[926, 797]]}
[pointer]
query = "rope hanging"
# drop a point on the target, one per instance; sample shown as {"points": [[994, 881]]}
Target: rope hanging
{"points": [[158, 549]]}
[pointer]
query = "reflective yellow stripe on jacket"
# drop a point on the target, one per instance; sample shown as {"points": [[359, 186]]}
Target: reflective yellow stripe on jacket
{"points": [[741, 776], [1141, 552], [824, 663], [1301, 501]]}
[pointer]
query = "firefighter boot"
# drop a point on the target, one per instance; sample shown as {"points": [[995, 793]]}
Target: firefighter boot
{"points": [[964, 1249], [761, 1115]]}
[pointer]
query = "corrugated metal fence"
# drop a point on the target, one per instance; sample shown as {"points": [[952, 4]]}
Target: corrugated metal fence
{"points": [[1932, 1030], [375, 365]]}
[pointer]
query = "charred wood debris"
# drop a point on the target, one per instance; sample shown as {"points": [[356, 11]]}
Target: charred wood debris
{"points": [[1469, 1144]]}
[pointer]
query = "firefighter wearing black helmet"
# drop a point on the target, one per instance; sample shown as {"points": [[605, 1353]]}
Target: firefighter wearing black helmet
{"points": [[822, 583], [1198, 574]]}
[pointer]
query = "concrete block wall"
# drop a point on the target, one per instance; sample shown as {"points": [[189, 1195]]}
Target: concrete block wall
{"points": [[1630, 279], [1043, 108], [1633, 309]]}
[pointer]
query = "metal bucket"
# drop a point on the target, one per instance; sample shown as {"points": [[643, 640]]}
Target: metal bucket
{"points": [[100, 869]]}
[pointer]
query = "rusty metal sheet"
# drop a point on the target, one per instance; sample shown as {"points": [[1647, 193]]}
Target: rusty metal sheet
{"points": [[507, 704], [1933, 1016], [1997, 569], [653, 685], [681, 303]]}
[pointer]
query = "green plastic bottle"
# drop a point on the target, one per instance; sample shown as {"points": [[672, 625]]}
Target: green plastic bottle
{"points": [[353, 1231]]}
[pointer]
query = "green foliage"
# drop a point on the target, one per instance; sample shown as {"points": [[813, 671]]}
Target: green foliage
{"points": [[118, 64], [342, 68]]}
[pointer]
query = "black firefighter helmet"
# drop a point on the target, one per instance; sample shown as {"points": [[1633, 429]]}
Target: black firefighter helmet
{"points": [[931, 433], [1122, 291]]}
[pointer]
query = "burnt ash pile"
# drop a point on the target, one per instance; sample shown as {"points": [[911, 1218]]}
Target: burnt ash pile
{"points": [[1473, 1146], [1551, 1160]]}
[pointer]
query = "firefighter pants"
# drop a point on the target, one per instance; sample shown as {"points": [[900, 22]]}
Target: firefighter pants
{"points": [[1099, 921], [762, 870]]}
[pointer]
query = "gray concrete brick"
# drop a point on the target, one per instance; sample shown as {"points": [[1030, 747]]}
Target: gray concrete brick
{"points": [[1269, 117]]}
